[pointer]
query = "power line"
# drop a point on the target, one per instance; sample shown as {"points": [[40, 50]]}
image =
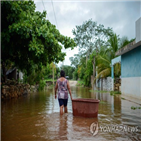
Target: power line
{"points": [[43, 4], [54, 14], [45, 9]]}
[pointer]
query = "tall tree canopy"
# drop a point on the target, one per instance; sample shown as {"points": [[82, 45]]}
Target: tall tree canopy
{"points": [[90, 36], [28, 38]]}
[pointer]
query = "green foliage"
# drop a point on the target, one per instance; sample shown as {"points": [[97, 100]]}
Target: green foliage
{"points": [[103, 61], [134, 108], [37, 74], [50, 80], [99, 91], [124, 41], [68, 71], [104, 57], [117, 70], [75, 74], [80, 83], [42, 84], [102, 102], [28, 38], [113, 43], [90, 36], [114, 92], [96, 40], [74, 60]]}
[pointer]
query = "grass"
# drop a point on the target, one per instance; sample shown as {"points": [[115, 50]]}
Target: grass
{"points": [[80, 83], [134, 108], [111, 92], [114, 92], [50, 80], [51, 86], [99, 91], [102, 102]]}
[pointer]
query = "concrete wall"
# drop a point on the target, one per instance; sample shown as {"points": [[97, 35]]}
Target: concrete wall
{"points": [[107, 84], [138, 30], [20, 75], [131, 63], [131, 73], [131, 86]]}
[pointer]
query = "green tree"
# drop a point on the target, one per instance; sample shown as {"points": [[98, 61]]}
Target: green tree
{"points": [[124, 41], [106, 55], [103, 62], [90, 36], [28, 38], [68, 71], [103, 59], [75, 60], [113, 45]]}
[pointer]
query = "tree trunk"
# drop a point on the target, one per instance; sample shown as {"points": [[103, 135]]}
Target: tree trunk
{"points": [[93, 73], [101, 83], [53, 74], [4, 71], [86, 60], [94, 67]]}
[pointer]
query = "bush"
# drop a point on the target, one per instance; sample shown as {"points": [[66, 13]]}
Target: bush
{"points": [[80, 83], [41, 85], [114, 92]]}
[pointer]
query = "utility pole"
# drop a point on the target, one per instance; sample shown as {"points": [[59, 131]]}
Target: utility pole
{"points": [[53, 73]]}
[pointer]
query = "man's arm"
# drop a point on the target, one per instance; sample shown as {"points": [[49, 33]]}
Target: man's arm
{"points": [[68, 86], [56, 87]]}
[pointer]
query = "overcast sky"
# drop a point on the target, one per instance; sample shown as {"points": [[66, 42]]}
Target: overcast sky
{"points": [[119, 15]]}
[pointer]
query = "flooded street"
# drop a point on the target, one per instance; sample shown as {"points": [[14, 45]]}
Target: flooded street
{"points": [[35, 117]]}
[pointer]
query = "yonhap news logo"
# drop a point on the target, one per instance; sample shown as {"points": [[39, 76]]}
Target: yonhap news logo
{"points": [[94, 128], [112, 128]]}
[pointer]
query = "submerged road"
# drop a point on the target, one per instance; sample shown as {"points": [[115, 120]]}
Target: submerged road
{"points": [[36, 117], [72, 83]]}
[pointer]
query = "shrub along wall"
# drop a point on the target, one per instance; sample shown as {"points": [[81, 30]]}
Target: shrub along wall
{"points": [[106, 84], [12, 89]]}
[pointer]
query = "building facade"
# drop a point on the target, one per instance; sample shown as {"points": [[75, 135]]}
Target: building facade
{"points": [[131, 67]]}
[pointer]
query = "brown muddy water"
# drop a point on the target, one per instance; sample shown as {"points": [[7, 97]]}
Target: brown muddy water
{"points": [[35, 117]]}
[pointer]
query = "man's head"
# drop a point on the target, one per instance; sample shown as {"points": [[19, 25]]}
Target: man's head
{"points": [[62, 73]]}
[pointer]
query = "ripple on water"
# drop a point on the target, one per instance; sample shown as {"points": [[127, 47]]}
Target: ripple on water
{"points": [[36, 117]]}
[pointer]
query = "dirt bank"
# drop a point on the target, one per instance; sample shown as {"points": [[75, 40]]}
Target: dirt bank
{"points": [[72, 83]]}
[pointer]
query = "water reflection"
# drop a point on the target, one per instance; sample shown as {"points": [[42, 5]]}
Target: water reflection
{"points": [[36, 117]]}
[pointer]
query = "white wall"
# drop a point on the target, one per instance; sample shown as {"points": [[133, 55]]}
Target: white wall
{"points": [[107, 84], [21, 75], [138, 30], [131, 86]]}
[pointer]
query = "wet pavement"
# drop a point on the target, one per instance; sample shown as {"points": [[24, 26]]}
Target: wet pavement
{"points": [[35, 117]]}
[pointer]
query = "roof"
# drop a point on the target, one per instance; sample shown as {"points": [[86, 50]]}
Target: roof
{"points": [[128, 47], [10, 70], [116, 60]]}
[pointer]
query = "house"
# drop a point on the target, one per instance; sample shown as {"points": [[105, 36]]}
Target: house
{"points": [[131, 67], [13, 73]]}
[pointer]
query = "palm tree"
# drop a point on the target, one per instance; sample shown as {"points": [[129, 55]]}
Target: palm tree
{"points": [[106, 54], [124, 41], [103, 59], [113, 45]]}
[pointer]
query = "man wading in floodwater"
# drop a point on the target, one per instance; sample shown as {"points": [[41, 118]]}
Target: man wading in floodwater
{"points": [[63, 87]]}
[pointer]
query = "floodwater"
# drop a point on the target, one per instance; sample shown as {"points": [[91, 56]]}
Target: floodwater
{"points": [[35, 117]]}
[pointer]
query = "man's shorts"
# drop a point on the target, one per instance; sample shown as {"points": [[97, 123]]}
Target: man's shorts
{"points": [[63, 102]]}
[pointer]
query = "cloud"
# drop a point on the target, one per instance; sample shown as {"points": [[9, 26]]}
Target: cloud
{"points": [[120, 16]]}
